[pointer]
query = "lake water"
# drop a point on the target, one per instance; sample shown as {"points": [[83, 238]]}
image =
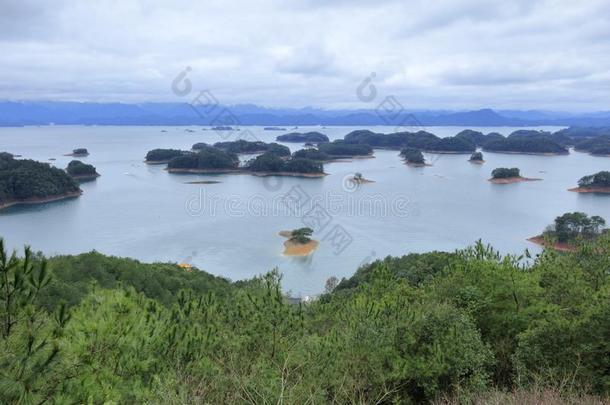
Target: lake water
{"points": [[231, 228]]}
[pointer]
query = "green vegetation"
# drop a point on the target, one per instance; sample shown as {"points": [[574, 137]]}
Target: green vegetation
{"points": [[163, 155], [476, 157], [505, 173], [242, 146], [22, 180], [205, 159], [269, 162], [521, 143], [80, 152], [313, 137], [200, 145], [600, 179], [76, 168], [595, 146], [468, 325], [413, 156], [572, 226], [340, 149], [474, 137], [312, 154], [421, 140], [301, 235]]}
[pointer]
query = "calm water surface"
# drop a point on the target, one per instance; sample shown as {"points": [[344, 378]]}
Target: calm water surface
{"points": [[230, 228]]}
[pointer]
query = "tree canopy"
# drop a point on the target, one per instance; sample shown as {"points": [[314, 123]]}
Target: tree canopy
{"points": [[574, 225], [313, 137], [77, 168], [23, 179], [503, 173], [599, 179]]}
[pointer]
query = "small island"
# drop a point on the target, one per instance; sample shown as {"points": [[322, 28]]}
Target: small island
{"points": [[595, 183], [477, 158], [299, 242], [208, 160], [274, 129], [358, 178], [82, 171], [503, 175], [341, 150], [313, 137], [569, 230], [413, 157], [78, 152], [31, 182], [224, 128]]}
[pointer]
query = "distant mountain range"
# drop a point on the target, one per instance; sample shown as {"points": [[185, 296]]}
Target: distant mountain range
{"points": [[72, 113]]}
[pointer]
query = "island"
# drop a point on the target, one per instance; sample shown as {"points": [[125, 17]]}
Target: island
{"points": [[224, 128], [269, 164], [358, 179], [31, 182], [422, 140], [78, 152], [477, 158], [82, 171], [274, 129], [208, 160], [273, 162], [528, 142], [503, 175], [598, 146], [162, 156], [413, 157], [475, 137], [299, 242], [595, 183], [313, 137], [342, 150], [569, 230], [242, 146]]}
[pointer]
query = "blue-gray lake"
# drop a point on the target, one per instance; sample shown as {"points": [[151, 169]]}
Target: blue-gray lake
{"points": [[231, 228]]}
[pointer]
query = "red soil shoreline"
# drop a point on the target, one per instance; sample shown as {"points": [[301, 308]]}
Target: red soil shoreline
{"points": [[32, 201], [603, 190], [562, 247]]}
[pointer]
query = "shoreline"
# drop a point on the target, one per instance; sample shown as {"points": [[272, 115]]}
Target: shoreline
{"points": [[600, 190], [510, 180], [241, 171], [41, 200], [559, 246], [507, 152], [476, 162], [296, 249], [85, 177]]}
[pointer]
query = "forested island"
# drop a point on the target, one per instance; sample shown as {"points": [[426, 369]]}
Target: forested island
{"points": [[599, 146], [79, 152], [162, 156], [299, 242], [595, 183], [399, 140], [569, 230], [312, 137], [476, 157], [413, 157], [527, 142], [436, 327], [275, 160], [24, 181], [82, 171], [503, 175], [248, 147]]}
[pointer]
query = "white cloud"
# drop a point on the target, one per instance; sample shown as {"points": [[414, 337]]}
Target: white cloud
{"points": [[549, 54]]}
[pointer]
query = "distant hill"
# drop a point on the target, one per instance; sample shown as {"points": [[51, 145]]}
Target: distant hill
{"points": [[19, 113]]}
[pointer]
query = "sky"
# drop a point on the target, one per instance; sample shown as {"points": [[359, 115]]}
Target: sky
{"points": [[442, 54]]}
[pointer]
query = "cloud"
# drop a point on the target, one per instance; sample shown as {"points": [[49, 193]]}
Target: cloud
{"points": [[443, 54]]}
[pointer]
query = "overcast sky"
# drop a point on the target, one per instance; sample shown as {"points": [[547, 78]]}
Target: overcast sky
{"points": [[442, 54]]}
